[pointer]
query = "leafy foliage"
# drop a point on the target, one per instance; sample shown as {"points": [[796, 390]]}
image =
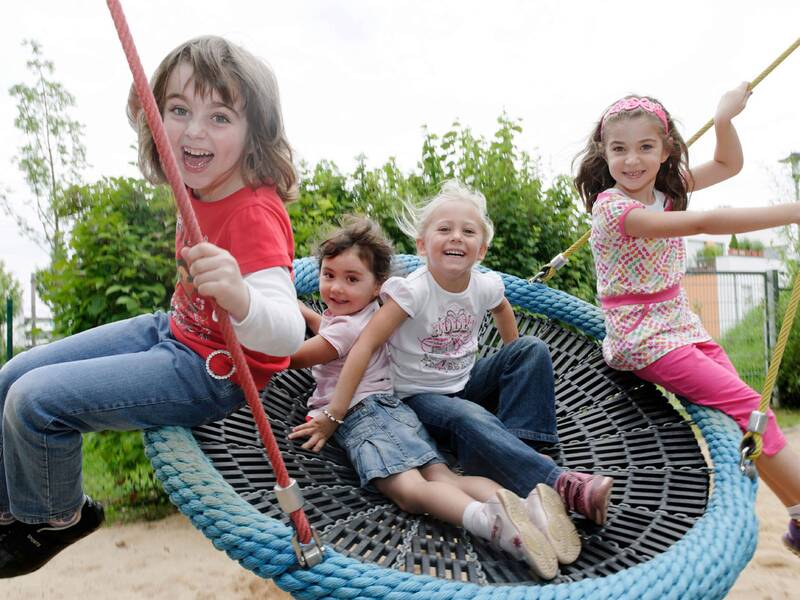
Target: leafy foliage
{"points": [[532, 222], [789, 374], [53, 155], [120, 260]]}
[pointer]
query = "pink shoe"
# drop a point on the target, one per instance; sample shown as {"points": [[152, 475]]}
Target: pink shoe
{"points": [[547, 512], [513, 532], [585, 494]]}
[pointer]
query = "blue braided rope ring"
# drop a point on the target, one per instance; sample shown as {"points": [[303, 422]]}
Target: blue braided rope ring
{"points": [[704, 563]]}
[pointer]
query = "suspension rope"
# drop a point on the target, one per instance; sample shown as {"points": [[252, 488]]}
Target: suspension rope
{"points": [[170, 166], [549, 270], [752, 439]]}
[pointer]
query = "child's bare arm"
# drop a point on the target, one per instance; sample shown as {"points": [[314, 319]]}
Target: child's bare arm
{"points": [[644, 223], [312, 317], [505, 321], [314, 351], [380, 327], [728, 158]]}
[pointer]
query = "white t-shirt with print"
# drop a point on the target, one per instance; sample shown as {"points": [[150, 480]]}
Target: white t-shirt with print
{"points": [[435, 348]]}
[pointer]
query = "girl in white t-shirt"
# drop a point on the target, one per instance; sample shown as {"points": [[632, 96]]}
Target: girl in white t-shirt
{"points": [[388, 446]]}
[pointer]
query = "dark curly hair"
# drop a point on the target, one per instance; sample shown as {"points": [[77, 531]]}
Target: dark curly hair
{"points": [[369, 241], [673, 176]]}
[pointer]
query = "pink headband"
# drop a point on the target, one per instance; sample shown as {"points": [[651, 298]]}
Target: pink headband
{"points": [[632, 104]]}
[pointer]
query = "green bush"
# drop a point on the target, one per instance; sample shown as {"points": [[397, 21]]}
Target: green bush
{"points": [[533, 222], [120, 259], [789, 374]]}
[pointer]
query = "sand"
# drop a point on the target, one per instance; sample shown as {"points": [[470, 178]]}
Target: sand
{"points": [[169, 559]]}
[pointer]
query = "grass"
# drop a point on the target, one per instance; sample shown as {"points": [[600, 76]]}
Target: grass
{"points": [[787, 417], [745, 346], [129, 496]]}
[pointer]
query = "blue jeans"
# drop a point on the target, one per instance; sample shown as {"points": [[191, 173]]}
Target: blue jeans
{"points": [[516, 384], [122, 376], [383, 437]]}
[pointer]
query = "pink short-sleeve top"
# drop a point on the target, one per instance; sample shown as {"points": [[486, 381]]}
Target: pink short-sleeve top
{"points": [[646, 310]]}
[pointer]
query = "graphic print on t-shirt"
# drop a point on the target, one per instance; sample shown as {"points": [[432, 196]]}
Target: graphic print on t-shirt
{"points": [[450, 343], [189, 309]]}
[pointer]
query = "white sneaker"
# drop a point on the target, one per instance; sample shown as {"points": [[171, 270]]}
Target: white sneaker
{"points": [[513, 531], [547, 512]]}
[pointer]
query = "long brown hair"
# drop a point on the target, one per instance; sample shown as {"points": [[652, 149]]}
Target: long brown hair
{"points": [[235, 74], [673, 175]]}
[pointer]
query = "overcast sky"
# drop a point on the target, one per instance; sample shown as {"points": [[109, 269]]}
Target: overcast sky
{"points": [[364, 77]]}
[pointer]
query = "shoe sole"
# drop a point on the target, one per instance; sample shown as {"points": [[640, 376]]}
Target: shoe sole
{"points": [[559, 529], [536, 550]]}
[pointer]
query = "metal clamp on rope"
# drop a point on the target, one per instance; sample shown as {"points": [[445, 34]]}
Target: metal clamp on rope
{"points": [[757, 422], [558, 261], [290, 498], [311, 554]]}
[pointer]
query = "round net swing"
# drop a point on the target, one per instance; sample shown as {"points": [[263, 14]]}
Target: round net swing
{"points": [[676, 527]]}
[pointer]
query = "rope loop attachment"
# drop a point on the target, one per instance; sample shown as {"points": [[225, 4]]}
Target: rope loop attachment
{"points": [[290, 499], [750, 448]]}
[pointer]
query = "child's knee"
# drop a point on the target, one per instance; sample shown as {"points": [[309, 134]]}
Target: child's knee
{"points": [[23, 406]]}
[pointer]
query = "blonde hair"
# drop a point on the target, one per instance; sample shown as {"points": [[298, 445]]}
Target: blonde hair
{"points": [[236, 75], [414, 220]]}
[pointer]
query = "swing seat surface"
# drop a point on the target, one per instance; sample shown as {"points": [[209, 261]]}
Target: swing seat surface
{"points": [[666, 535]]}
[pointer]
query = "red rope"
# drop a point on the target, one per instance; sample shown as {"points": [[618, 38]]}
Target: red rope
{"points": [[170, 166]]}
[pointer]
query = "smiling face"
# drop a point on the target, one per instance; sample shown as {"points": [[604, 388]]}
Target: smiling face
{"points": [[453, 242], [346, 283], [634, 150], [207, 136]]}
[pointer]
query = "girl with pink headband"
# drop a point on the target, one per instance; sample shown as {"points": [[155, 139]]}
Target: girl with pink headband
{"points": [[635, 180]]}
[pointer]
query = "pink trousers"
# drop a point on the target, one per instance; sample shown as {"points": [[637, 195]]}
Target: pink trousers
{"points": [[703, 374]]}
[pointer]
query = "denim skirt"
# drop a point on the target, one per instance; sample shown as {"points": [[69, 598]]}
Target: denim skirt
{"points": [[383, 436]]}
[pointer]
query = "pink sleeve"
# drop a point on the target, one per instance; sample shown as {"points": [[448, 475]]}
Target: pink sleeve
{"points": [[341, 333], [609, 213]]}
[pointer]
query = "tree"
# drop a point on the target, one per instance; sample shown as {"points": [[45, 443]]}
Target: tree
{"points": [[120, 259], [53, 155], [9, 288], [533, 221]]}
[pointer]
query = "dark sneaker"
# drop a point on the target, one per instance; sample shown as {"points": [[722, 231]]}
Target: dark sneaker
{"points": [[791, 539], [26, 548], [5, 530], [585, 494]]}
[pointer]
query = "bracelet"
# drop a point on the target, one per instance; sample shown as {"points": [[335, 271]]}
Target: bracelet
{"points": [[331, 417]]}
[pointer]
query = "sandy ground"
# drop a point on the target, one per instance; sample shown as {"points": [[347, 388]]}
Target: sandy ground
{"points": [[169, 559]]}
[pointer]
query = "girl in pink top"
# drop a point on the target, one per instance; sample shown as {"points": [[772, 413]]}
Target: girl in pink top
{"points": [[634, 179]]}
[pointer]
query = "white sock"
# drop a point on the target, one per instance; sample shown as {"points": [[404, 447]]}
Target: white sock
{"points": [[476, 521], [794, 512]]}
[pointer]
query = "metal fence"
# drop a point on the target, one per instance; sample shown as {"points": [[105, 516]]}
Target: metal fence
{"points": [[739, 310]]}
